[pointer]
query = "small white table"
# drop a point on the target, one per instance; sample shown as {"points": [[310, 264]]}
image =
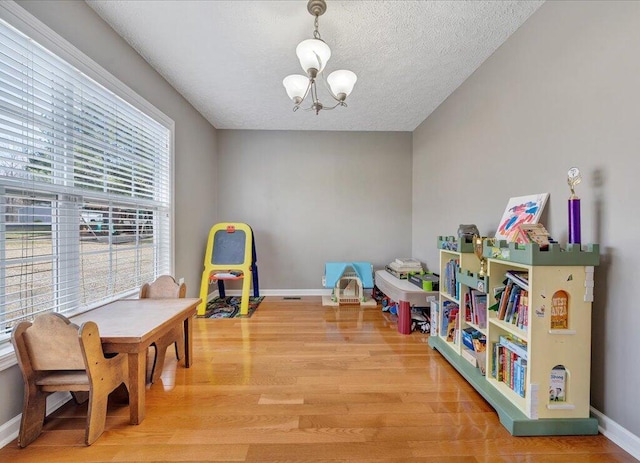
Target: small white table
{"points": [[406, 294]]}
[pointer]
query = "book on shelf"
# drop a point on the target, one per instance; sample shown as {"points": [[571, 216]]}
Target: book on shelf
{"points": [[498, 361], [511, 358], [449, 279], [522, 319], [435, 314], [468, 310], [452, 325], [474, 340], [513, 303], [557, 384], [479, 302], [447, 307], [480, 344], [509, 367], [515, 345], [560, 310], [519, 278], [534, 233], [396, 273], [481, 357], [413, 266], [467, 337], [520, 376], [504, 300], [476, 307]]}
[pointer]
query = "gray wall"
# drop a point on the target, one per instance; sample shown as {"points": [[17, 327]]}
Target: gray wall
{"points": [[316, 197], [195, 146], [562, 91]]}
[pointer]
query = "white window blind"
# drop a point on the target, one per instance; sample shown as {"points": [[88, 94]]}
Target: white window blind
{"points": [[85, 187]]}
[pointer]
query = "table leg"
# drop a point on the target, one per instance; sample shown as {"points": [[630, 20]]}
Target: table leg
{"points": [[404, 317], [137, 383], [188, 344]]}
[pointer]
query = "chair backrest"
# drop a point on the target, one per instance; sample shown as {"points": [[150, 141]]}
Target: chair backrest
{"points": [[51, 342], [164, 287]]}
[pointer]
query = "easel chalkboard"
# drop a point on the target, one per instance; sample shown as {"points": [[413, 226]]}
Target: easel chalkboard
{"points": [[229, 247]]}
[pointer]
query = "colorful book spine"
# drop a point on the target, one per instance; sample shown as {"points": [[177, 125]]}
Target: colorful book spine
{"points": [[451, 285], [515, 345], [513, 303], [504, 300]]}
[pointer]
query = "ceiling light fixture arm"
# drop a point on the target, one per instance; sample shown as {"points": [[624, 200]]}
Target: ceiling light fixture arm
{"points": [[298, 100]]}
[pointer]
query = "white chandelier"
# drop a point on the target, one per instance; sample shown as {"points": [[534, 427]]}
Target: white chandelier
{"points": [[313, 55]]}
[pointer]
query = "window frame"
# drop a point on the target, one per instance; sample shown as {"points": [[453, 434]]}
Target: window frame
{"points": [[29, 25]]}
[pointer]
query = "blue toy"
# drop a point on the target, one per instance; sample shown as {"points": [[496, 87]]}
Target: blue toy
{"points": [[348, 280]]}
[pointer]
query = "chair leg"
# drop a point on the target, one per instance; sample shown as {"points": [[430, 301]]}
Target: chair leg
{"points": [[96, 417], [154, 365], [158, 364], [180, 348], [33, 413]]}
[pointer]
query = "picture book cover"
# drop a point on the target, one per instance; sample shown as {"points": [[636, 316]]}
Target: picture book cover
{"points": [[557, 384], [520, 210], [523, 310], [481, 308], [447, 307], [453, 325], [468, 309], [560, 311]]}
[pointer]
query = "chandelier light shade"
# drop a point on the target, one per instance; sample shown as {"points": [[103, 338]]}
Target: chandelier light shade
{"points": [[296, 87], [342, 82], [313, 55]]}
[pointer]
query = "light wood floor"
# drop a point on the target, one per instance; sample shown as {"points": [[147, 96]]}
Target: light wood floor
{"points": [[299, 382]]}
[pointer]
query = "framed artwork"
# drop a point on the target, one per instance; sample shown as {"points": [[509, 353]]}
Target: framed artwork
{"points": [[520, 210]]}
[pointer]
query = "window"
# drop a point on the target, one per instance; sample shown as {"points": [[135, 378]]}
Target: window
{"points": [[85, 187]]}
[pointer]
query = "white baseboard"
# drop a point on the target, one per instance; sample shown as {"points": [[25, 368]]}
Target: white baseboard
{"points": [[285, 292], [279, 292], [295, 292], [9, 430], [617, 434]]}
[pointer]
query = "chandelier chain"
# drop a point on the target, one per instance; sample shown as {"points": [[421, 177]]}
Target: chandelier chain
{"points": [[316, 32]]}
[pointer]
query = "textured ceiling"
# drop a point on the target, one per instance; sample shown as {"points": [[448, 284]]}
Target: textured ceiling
{"points": [[228, 58]]}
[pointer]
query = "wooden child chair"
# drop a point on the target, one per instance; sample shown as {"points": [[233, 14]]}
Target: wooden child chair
{"points": [[56, 355], [165, 287]]}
